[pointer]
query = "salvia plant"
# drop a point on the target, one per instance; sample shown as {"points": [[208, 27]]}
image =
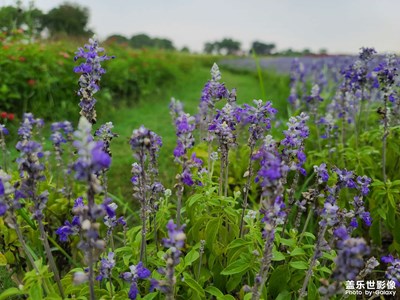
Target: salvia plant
{"points": [[313, 213]]}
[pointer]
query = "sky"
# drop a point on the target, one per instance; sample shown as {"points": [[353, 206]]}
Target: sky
{"points": [[341, 26]]}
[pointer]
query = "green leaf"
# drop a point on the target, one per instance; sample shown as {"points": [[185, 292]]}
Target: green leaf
{"points": [[150, 296], [396, 231], [375, 232], [248, 296], [227, 297], [325, 270], [309, 234], [297, 251], [234, 282], [278, 281], [189, 281], [212, 231], [299, 265], [285, 295], [312, 293], [391, 217], [8, 293], [191, 257], [238, 243], [214, 291], [236, 267], [288, 242], [381, 213], [193, 199], [3, 260], [35, 292], [391, 200], [277, 256]]}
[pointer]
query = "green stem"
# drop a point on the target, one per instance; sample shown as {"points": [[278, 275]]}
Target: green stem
{"points": [[50, 257]]}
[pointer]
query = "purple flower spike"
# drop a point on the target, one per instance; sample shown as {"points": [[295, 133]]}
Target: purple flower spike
{"points": [[322, 173], [136, 272], [393, 270], [91, 71], [91, 157]]}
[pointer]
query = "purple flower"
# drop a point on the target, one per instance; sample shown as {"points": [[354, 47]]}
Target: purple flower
{"points": [[68, 229], [349, 260], [144, 138], [91, 75], [341, 233], [106, 266], [175, 242], [91, 157], [3, 130], [322, 173], [364, 183], [345, 178], [176, 238], [329, 214], [272, 168], [393, 270], [136, 272], [367, 54], [293, 142], [106, 135]]}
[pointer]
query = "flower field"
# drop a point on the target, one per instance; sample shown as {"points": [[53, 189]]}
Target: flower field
{"points": [[292, 198]]}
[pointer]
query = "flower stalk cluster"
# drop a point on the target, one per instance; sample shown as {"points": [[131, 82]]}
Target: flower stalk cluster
{"points": [[175, 242], [91, 161], [184, 125], [145, 145], [258, 117]]}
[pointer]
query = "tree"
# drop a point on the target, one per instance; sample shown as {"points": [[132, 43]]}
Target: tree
{"points": [[229, 46], [260, 48], [161, 43], [117, 39], [209, 47], [185, 49], [71, 19], [141, 41], [11, 18], [144, 41], [16, 17]]}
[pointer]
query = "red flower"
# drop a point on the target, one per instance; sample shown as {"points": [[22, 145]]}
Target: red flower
{"points": [[11, 117], [3, 115], [22, 59], [31, 82]]}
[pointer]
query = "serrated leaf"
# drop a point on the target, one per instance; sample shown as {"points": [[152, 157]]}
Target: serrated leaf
{"points": [[236, 267]]}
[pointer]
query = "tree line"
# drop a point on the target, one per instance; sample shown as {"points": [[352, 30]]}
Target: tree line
{"points": [[69, 19]]}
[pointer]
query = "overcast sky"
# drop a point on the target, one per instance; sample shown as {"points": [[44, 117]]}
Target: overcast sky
{"points": [[341, 26]]}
